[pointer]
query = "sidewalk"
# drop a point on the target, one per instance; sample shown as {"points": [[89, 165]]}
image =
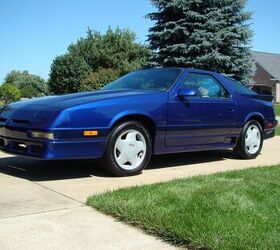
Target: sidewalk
{"points": [[36, 217], [42, 203], [72, 228]]}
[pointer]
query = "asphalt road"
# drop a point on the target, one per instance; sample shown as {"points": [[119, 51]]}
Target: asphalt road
{"points": [[42, 203]]}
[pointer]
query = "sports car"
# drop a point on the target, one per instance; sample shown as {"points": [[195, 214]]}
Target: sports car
{"points": [[146, 112]]}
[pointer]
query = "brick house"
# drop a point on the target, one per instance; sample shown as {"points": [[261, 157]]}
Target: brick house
{"points": [[267, 72]]}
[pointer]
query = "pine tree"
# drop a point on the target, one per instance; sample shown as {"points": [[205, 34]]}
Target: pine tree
{"points": [[206, 34]]}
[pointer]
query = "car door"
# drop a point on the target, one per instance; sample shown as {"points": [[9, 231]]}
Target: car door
{"points": [[205, 117]]}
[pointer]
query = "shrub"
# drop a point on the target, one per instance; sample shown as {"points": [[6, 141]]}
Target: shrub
{"points": [[116, 50], [67, 73], [9, 93], [28, 84], [98, 79]]}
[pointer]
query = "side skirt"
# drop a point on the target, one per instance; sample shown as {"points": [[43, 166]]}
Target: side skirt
{"points": [[160, 148]]}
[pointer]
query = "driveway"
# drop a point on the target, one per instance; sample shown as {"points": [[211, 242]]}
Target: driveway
{"points": [[42, 203]]}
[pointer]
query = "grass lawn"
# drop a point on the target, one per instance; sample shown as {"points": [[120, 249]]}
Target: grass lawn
{"points": [[278, 130], [277, 109], [234, 210]]}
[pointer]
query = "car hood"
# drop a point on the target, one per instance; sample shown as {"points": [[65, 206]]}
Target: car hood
{"points": [[70, 100], [44, 109]]}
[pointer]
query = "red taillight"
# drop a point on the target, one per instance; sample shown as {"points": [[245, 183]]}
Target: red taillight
{"points": [[270, 125]]}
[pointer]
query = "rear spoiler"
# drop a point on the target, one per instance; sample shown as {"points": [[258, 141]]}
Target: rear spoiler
{"points": [[268, 98]]}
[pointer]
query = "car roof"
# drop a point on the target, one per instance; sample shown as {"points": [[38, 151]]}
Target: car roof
{"points": [[189, 69], [201, 71]]}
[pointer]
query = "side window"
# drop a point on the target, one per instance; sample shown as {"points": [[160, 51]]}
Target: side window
{"points": [[240, 87], [206, 85]]}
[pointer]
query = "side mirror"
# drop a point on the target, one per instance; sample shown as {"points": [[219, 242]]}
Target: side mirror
{"points": [[187, 92]]}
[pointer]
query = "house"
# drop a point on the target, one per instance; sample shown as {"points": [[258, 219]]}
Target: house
{"points": [[267, 74]]}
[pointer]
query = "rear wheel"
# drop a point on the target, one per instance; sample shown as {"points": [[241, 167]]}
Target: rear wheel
{"points": [[250, 142], [128, 149]]}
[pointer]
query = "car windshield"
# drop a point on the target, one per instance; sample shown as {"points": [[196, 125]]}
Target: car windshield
{"points": [[150, 79]]}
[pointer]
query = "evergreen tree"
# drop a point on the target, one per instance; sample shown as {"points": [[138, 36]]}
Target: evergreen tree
{"points": [[206, 34]]}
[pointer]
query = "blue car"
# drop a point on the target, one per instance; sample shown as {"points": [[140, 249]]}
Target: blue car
{"points": [[153, 111]]}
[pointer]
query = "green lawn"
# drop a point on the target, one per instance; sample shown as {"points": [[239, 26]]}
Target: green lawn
{"points": [[277, 109], [278, 130], [234, 210]]}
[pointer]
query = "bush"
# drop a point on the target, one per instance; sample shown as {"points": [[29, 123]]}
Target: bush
{"points": [[67, 73], [116, 50], [9, 93], [29, 91], [28, 84], [97, 80]]}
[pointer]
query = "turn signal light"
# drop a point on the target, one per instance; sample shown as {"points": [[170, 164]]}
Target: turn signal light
{"points": [[91, 133]]}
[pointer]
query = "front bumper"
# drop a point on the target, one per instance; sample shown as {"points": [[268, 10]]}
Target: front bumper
{"points": [[16, 142]]}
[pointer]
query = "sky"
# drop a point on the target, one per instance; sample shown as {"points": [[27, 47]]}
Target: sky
{"points": [[34, 32]]}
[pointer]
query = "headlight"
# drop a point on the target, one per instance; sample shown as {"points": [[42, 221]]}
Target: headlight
{"points": [[42, 135]]}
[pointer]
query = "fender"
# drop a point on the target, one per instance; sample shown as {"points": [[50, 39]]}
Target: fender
{"points": [[128, 113], [250, 115]]}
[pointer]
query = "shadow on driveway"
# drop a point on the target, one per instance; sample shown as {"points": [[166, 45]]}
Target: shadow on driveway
{"points": [[38, 170]]}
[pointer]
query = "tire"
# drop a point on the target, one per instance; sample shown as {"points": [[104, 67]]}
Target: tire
{"points": [[128, 149], [250, 142]]}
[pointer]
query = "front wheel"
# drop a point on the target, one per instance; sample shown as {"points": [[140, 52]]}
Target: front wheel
{"points": [[128, 149], [250, 142]]}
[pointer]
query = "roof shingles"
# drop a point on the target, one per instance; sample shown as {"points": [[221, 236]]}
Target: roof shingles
{"points": [[269, 61]]}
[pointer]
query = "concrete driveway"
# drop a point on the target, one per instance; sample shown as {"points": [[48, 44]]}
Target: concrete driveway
{"points": [[42, 203]]}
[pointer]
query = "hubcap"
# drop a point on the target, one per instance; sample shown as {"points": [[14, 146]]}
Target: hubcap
{"points": [[253, 139], [130, 149]]}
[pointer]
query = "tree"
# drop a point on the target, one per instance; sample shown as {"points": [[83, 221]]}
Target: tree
{"points": [[28, 91], [9, 93], [98, 79], [24, 81], [206, 34], [67, 73], [116, 50]]}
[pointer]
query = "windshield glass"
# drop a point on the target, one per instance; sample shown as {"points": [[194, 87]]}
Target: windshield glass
{"points": [[150, 79]]}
